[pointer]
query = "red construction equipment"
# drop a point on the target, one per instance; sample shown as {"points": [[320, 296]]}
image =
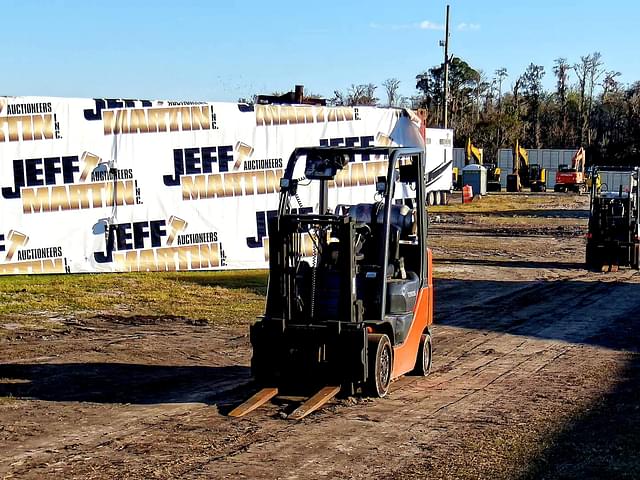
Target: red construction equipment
{"points": [[572, 178]]}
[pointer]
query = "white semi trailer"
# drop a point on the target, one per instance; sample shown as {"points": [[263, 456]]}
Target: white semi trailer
{"points": [[439, 169]]}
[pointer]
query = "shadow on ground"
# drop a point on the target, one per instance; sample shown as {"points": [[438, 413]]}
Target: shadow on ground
{"points": [[602, 313], [253, 280], [534, 213], [121, 383], [603, 442], [511, 263]]}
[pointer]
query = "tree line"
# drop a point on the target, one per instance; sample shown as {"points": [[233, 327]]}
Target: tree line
{"points": [[588, 107]]}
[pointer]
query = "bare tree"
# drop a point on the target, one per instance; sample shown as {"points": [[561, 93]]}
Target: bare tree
{"points": [[609, 83], [391, 87], [481, 87], [561, 71], [532, 86], [363, 94], [588, 71], [501, 74]]}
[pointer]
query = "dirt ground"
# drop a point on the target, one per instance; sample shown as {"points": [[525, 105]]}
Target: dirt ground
{"points": [[536, 375]]}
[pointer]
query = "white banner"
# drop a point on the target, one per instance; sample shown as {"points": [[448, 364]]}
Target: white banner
{"points": [[103, 185]]}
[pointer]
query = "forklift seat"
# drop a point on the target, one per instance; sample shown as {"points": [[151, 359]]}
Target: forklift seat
{"points": [[402, 218]]}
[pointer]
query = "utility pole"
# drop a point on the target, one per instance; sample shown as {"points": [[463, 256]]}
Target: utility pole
{"points": [[445, 99]]}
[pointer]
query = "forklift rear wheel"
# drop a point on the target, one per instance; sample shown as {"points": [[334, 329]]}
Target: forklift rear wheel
{"points": [[424, 357], [380, 365]]}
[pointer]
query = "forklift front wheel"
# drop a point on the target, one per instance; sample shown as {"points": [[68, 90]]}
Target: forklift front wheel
{"points": [[380, 365]]}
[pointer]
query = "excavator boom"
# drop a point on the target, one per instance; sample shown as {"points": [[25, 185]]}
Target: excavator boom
{"points": [[473, 153]]}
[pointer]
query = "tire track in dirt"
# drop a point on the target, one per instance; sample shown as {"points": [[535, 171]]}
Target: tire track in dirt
{"points": [[370, 433]]}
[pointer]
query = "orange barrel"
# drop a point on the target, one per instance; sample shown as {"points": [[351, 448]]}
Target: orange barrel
{"points": [[467, 194]]}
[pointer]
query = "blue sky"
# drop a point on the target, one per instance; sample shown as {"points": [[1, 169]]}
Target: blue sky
{"points": [[220, 51]]}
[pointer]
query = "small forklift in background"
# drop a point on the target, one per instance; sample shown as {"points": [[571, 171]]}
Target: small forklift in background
{"points": [[614, 219]]}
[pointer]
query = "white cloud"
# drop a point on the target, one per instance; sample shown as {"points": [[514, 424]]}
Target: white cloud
{"points": [[427, 25], [464, 27], [424, 25]]}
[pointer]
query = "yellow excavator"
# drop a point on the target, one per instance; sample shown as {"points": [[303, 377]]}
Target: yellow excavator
{"points": [[520, 175], [473, 155], [525, 175]]}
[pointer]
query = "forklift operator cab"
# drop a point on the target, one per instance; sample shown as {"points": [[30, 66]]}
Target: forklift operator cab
{"points": [[350, 295]]}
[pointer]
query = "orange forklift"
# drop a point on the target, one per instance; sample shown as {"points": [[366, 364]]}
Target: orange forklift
{"points": [[350, 294]]}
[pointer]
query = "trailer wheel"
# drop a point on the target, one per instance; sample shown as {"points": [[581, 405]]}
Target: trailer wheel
{"points": [[380, 365], [424, 357], [445, 198], [430, 199]]}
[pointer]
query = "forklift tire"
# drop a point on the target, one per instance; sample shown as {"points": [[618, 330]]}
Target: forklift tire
{"points": [[635, 257], [262, 370], [591, 258], [380, 365], [424, 357]]}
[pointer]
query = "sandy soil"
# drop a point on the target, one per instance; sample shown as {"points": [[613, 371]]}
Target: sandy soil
{"points": [[536, 375]]}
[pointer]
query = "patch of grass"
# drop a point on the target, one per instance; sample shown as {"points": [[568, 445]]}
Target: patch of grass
{"points": [[8, 400], [503, 203], [229, 297]]}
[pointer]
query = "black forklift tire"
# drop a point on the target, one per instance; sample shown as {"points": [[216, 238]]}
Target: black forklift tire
{"points": [[635, 256], [592, 259], [380, 365], [424, 358], [262, 370]]}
